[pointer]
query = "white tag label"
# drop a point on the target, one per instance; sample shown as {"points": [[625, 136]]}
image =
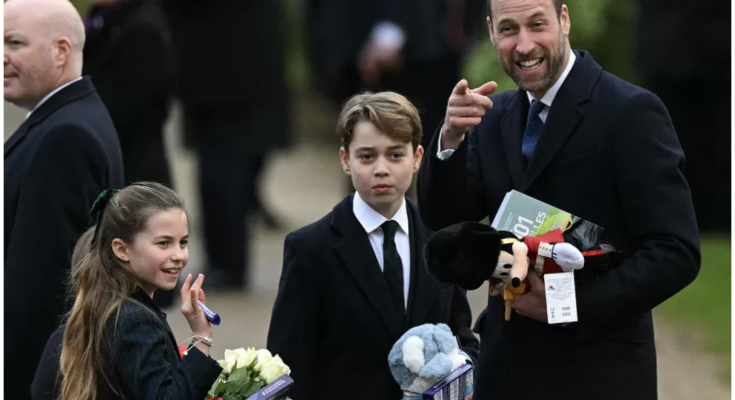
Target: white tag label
{"points": [[561, 298]]}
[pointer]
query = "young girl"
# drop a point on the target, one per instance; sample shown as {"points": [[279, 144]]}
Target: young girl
{"points": [[117, 343]]}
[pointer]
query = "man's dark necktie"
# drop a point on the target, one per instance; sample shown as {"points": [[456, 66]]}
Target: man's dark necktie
{"points": [[393, 270], [534, 127]]}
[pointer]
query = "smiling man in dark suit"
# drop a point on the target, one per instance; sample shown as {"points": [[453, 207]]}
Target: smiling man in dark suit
{"points": [[355, 281], [589, 143], [56, 163]]}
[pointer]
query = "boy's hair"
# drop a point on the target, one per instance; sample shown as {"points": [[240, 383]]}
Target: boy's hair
{"points": [[391, 113], [100, 282]]}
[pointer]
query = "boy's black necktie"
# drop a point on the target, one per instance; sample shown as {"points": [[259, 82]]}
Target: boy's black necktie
{"points": [[393, 269]]}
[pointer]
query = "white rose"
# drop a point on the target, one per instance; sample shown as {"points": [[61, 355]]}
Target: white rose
{"points": [[274, 369], [245, 357], [264, 357], [226, 367], [229, 361]]}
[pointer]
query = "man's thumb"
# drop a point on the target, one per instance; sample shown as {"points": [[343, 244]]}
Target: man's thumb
{"points": [[487, 89]]}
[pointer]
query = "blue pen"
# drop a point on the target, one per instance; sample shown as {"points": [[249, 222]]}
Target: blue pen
{"points": [[211, 316]]}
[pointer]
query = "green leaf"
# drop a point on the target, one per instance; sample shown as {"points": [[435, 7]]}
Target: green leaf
{"points": [[251, 388], [235, 387], [221, 388], [238, 375], [213, 390], [230, 397]]}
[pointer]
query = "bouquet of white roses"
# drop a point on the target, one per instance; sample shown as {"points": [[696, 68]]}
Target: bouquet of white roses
{"points": [[246, 372]]}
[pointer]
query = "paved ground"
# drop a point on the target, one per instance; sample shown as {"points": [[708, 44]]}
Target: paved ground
{"points": [[303, 185]]}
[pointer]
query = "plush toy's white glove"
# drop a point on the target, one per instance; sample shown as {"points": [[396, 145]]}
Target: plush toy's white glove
{"points": [[568, 257]]}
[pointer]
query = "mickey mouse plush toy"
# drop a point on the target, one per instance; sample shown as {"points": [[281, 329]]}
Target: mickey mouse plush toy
{"points": [[470, 253]]}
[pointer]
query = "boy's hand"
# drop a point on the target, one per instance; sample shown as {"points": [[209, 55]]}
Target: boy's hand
{"points": [[465, 110]]}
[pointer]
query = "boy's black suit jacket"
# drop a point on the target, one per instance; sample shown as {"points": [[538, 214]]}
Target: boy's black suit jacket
{"points": [[333, 323]]}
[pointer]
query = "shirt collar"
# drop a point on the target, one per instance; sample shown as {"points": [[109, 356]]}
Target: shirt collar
{"points": [[48, 96], [551, 93], [372, 220]]}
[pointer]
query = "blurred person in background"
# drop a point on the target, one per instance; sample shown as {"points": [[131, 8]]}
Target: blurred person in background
{"points": [[413, 47], [695, 87], [56, 163], [128, 57], [231, 80]]}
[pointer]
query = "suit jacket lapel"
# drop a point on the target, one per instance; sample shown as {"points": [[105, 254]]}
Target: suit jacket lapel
{"points": [[564, 114], [423, 288], [73, 92], [143, 299], [354, 249], [512, 126], [16, 138], [563, 117]]}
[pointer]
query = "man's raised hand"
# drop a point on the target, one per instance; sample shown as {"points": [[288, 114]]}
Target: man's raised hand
{"points": [[465, 110]]}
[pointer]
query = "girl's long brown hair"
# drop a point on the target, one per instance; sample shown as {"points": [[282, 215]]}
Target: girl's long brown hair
{"points": [[100, 283]]}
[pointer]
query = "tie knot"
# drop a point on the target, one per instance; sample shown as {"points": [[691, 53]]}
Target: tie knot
{"points": [[535, 110], [389, 229]]}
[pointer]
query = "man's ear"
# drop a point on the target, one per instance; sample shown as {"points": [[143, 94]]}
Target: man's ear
{"points": [[121, 250], [566, 22], [490, 30], [418, 155], [64, 51]]}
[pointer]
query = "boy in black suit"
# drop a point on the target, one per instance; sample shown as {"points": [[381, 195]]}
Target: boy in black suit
{"points": [[355, 281]]}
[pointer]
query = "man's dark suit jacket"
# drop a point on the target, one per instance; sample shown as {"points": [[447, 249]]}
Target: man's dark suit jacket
{"points": [[56, 164], [609, 154], [333, 322], [143, 359]]}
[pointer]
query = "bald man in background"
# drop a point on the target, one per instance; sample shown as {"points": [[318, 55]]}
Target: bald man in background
{"points": [[56, 164]]}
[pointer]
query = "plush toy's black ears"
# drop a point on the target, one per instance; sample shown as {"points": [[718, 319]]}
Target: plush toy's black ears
{"points": [[466, 254]]}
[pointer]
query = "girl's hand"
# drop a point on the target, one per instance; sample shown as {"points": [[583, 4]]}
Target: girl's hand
{"points": [[190, 307]]}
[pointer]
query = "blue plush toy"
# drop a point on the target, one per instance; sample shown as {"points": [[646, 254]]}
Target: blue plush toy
{"points": [[423, 356]]}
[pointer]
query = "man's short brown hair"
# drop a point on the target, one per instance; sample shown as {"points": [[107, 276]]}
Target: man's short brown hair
{"points": [[557, 6], [391, 113]]}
